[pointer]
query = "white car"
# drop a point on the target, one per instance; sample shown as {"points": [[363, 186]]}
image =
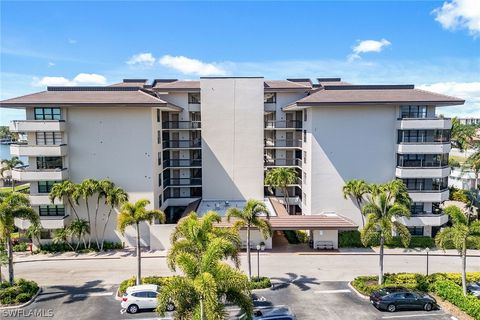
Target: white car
{"points": [[142, 297]]}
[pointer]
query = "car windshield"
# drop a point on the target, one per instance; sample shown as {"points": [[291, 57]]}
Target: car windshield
{"points": [[389, 290]]}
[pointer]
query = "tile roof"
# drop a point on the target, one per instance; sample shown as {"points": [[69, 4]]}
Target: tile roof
{"points": [[130, 83], [177, 85], [284, 84]]}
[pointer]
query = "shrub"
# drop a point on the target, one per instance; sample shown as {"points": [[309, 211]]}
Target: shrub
{"points": [[260, 283], [22, 297], [21, 247], [22, 291], [352, 239], [63, 247], [451, 292], [349, 239], [160, 281]]}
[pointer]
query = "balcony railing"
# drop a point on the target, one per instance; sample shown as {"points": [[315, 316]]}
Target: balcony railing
{"points": [[294, 124], [181, 125], [181, 196], [283, 143], [182, 182], [182, 163], [182, 144], [37, 125], [37, 150], [283, 162]]}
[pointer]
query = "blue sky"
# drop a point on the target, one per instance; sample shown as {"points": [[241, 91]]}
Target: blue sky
{"points": [[434, 44]]}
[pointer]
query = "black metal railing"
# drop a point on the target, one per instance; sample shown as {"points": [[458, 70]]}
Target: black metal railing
{"points": [[181, 125], [182, 143], [283, 143], [283, 162], [295, 124], [182, 163], [182, 181]]}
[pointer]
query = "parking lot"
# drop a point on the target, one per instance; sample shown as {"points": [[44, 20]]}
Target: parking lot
{"points": [[309, 299]]}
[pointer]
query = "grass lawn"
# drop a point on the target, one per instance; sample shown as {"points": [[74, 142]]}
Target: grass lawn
{"points": [[23, 187], [460, 159]]}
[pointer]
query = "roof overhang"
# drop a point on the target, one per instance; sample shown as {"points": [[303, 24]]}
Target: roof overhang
{"points": [[164, 106], [305, 105]]}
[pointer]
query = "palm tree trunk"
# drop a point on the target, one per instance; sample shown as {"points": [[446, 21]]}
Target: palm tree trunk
{"points": [[89, 222], [73, 208], [105, 228], [380, 275], [10, 257], [285, 195], [13, 185], [359, 204], [95, 221], [139, 258], [464, 268], [202, 316], [1, 273], [248, 254]]}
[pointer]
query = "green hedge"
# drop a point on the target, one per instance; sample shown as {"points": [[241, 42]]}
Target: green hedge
{"points": [[22, 291], [21, 247], [351, 239], [296, 237], [367, 284], [453, 293], [160, 281], [63, 247], [260, 283]]}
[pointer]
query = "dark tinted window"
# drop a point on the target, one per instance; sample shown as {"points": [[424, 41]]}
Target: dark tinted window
{"points": [[140, 294], [151, 294]]}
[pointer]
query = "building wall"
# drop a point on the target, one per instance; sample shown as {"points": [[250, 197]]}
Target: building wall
{"points": [[345, 143], [232, 138]]}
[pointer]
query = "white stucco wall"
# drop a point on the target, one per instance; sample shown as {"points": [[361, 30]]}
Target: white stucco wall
{"points": [[325, 235]]}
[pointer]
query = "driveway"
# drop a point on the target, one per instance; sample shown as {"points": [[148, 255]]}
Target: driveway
{"points": [[308, 297]]}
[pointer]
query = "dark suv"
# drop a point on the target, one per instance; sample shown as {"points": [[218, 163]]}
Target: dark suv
{"points": [[399, 298]]}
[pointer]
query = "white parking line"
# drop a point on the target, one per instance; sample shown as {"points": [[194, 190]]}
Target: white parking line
{"points": [[92, 294], [333, 291], [415, 315]]}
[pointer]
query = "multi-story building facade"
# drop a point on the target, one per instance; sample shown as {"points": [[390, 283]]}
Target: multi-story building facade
{"points": [[206, 145]]}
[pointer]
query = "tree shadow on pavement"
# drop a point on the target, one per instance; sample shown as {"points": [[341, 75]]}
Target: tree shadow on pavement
{"points": [[302, 282], [72, 293]]}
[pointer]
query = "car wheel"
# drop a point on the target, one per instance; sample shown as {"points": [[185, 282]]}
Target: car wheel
{"points": [[170, 307], [133, 308], [428, 307], [391, 308]]}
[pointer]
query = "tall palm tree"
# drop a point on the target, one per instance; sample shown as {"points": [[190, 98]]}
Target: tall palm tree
{"points": [[79, 228], [131, 214], [115, 197], [249, 217], [356, 189], [9, 165], [382, 210], [33, 232], [198, 248], [65, 190], [473, 163], [62, 236], [102, 188], [280, 178], [86, 189], [14, 205], [462, 134], [462, 234]]}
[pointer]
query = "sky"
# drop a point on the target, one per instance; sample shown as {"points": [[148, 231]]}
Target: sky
{"points": [[432, 44]]}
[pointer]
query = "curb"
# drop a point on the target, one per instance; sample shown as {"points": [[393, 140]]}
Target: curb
{"points": [[360, 295], [376, 254], [26, 303]]}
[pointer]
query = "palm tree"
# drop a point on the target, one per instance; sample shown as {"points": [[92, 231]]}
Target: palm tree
{"points": [[473, 163], [462, 134], [9, 165], [3, 262], [132, 214], [356, 189], [249, 217], [65, 190], [14, 205], [62, 236], [102, 188], [281, 178], [86, 189], [381, 211], [206, 278], [115, 197], [79, 228], [462, 234], [33, 232]]}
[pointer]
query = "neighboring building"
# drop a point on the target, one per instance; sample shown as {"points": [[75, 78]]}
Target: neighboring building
{"points": [[463, 179], [206, 145], [474, 121]]}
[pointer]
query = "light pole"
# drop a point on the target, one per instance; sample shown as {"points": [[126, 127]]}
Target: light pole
{"points": [[260, 246], [427, 250]]}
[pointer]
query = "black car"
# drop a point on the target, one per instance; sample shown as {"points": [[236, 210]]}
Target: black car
{"points": [[399, 298]]}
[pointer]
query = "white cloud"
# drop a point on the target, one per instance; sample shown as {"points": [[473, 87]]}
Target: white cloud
{"points": [[72, 41], [459, 14], [191, 66], [51, 64], [368, 46], [470, 91], [80, 79], [145, 58]]}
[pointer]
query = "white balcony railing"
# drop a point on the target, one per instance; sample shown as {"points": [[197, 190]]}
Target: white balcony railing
{"points": [[424, 220], [429, 196], [28, 150], [433, 147], [422, 172], [424, 123], [43, 199], [37, 125], [26, 174]]}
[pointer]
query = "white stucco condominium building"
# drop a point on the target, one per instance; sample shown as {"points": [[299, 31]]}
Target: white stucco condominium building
{"points": [[207, 144]]}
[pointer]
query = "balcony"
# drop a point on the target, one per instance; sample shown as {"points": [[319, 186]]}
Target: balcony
{"points": [[47, 222], [182, 144], [286, 124], [181, 125], [427, 147], [282, 143], [37, 125], [428, 195], [182, 163], [424, 123], [422, 172], [427, 219], [42, 199], [28, 150], [27, 174], [187, 182], [283, 163]]}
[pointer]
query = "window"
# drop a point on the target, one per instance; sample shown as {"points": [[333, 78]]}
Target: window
{"points": [[417, 208], [159, 137], [304, 156], [422, 160], [304, 135], [45, 186], [270, 97], [158, 115], [47, 114], [159, 158], [304, 197], [151, 294], [428, 184], [194, 98], [52, 210], [305, 115], [141, 294], [424, 136], [49, 163], [46, 234], [48, 138], [416, 231], [304, 177], [413, 111], [159, 179]]}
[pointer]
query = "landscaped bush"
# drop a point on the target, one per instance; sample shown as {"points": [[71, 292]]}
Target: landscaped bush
{"points": [[63, 247], [367, 284], [349, 239], [452, 292], [352, 239], [160, 281], [21, 247], [260, 283], [296, 237], [22, 291]]}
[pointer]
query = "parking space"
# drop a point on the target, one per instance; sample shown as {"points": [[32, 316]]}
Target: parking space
{"points": [[309, 299]]}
